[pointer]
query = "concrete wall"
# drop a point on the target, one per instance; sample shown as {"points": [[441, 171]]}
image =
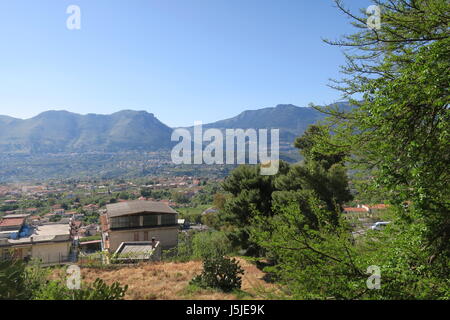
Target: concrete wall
{"points": [[51, 252], [168, 237], [48, 252], [19, 252]]}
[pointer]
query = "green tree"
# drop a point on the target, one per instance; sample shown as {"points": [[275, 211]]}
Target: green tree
{"points": [[212, 220], [146, 192], [123, 195], [219, 200], [248, 190], [399, 130], [211, 243], [398, 133], [324, 262], [320, 175], [179, 197], [307, 145]]}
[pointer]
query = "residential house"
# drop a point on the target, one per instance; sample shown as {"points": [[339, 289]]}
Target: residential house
{"points": [[58, 212], [10, 227], [78, 216], [89, 230], [48, 243], [136, 221], [378, 207], [356, 210], [361, 208]]}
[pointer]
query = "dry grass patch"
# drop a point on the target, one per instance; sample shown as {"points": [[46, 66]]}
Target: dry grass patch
{"points": [[170, 280]]}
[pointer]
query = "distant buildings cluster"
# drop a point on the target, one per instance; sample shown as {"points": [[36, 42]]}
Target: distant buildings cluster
{"points": [[132, 230], [362, 208]]}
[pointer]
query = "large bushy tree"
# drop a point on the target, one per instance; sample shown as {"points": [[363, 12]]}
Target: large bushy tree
{"points": [[397, 77], [249, 191], [399, 80], [321, 176]]}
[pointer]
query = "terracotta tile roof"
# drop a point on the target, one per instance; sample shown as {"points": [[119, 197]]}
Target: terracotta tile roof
{"points": [[91, 206], [355, 210], [11, 222], [379, 206]]}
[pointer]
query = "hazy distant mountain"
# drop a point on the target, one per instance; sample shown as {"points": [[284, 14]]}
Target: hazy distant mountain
{"points": [[62, 131], [7, 119], [291, 120]]}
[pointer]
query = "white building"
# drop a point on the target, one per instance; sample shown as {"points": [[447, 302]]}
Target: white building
{"points": [[49, 243]]}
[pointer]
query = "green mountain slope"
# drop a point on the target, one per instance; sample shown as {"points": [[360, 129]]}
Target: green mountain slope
{"points": [[127, 130], [62, 131]]}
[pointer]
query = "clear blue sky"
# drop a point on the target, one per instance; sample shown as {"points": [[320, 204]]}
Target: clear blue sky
{"points": [[183, 60]]}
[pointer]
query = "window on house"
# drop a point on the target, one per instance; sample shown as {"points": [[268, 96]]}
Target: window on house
{"points": [[146, 236], [125, 222], [134, 221], [167, 219], [150, 220], [136, 236]]}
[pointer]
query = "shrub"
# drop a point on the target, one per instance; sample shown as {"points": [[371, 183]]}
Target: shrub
{"points": [[13, 284], [55, 290], [205, 244], [19, 281], [183, 252], [199, 245], [220, 273]]}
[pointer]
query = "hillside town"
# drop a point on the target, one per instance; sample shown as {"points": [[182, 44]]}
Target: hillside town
{"points": [[66, 218], [62, 222]]}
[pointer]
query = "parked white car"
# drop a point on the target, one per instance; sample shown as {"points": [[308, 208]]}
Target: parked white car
{"points": [[379, 225]]}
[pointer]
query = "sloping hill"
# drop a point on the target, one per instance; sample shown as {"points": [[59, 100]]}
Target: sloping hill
{"points": [[291, 120], [62, 131], [127, 130]]}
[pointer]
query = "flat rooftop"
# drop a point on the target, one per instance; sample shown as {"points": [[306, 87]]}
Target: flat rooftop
{"points": [[139, 250], [49, 232], [52, 229]]}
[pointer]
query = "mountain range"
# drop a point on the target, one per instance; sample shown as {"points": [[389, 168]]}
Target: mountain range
{"points": [[128, 130]]}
